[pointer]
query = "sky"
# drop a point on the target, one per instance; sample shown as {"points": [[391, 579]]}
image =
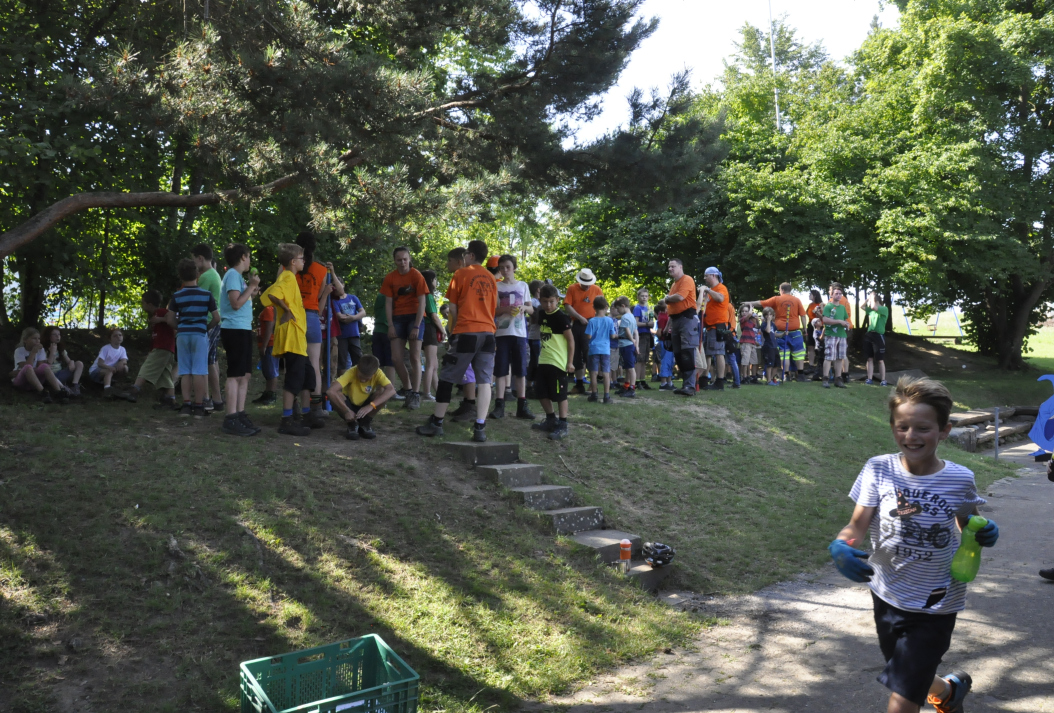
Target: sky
{"points": [[699, 34]]}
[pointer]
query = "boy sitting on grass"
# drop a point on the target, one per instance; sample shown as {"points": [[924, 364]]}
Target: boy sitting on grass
{"points": [[157, 368], [555, 362], [914, 506], [112, 361], [599, 332], [358, 394]]}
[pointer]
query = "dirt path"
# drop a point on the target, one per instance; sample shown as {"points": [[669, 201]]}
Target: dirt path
{"points": [[810, 645]]}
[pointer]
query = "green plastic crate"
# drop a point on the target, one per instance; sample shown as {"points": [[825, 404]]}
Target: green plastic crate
{"points": [[354, 676]]}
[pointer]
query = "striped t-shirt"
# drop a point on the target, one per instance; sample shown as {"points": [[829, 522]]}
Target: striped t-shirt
{"points": [[193, 307], [914, 534]]}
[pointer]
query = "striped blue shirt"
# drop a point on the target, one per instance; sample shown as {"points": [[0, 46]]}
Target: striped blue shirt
{"points": [[914, 534], [193, 307]]}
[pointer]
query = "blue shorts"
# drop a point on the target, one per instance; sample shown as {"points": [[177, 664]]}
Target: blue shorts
{"points": [[600, 363], [791, 346], [192, 353], [382, 348], [269, 364], [314, 327], [512, 352], [404, 325], [629, 357], [214, 340]]}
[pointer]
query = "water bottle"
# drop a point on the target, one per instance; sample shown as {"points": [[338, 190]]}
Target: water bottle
{"points": [[625, 555], [967, 559]]}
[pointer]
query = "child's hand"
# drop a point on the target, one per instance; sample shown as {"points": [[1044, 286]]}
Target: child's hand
{"points": [[850, 561], [570, 368], [364, 412], [987, 535], [288, 317]]}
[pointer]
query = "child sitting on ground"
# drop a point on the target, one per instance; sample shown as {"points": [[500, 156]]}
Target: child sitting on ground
{"points": [[68, 371], [358, 394], [770, 353], [555, 362], [160, 362], [599, 331], [192, 312], [32, 372], [628, 346], [898, 496], [112, 361]]}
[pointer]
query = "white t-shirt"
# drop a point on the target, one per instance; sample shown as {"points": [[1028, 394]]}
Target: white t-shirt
{"points": [[109, 356], [22, 356], [512, 295], [914, 534]]}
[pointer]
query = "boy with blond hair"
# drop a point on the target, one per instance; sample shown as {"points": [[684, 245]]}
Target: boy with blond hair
{"points": [[290, 340], [358, 394]]}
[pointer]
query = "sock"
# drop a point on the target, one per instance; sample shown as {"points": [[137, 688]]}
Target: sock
{"points": [[305, 409], [287, 412], [499, 402], [521, 402], [437, 420], [106, 388], [550, 417], [186, 402], [201, 405], [561, 421], [481, 422]]}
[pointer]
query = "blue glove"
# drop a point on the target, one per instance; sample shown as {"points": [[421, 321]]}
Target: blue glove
{"points": [[850, 561], [988, 534]]}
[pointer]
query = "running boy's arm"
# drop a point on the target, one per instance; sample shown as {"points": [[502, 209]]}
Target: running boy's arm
{"points": [[855, 532]]}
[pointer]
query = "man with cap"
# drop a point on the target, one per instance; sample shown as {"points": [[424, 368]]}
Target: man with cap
{"points": [[715, 300], [683, 326], [791, 321], [579, 304]]}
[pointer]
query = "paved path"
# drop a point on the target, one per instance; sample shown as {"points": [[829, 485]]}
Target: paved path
{"points": [[810, 645]]}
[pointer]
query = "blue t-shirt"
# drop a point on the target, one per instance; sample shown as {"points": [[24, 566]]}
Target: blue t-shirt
{"points": [[600, 330], [643, 313], [627, 324], [193, 307], [230, 318], [348, 304]]}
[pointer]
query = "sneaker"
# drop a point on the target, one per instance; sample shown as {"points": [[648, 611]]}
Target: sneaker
{"points": [[313, 419], [208, 405], [267, 398], [233, 425], [558, 433], [428, 397], [291, 426], [352, 432], [960, 683], [219, 405], [367, 432], [166, 402], [655, 377], [466, 411], [869, 382], [45, 397], [718, 385], [499, 409], [644, 385], [665, 387], [839, 384], [801, 378], [844, 383], [75, 390], [735, 386], [817, 377], [1047, 574], [413, 401], [479, 432], [547, 425], [62, 397], [826, 383], [129, 396], [884, 383], [629, 394], [186, 410], [579, 388], [247, 422], [199, 411], [607, 399], [685, 391], [592, 397], [524, 411], [431, 428], [107, 393], [400, 395]]}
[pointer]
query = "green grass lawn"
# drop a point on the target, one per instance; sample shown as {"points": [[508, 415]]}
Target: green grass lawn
{"points": [[142, 556]]}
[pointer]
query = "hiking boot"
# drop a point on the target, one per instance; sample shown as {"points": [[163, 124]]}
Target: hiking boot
{"points": [[413, 401], [1047, 574], [247, 422], [499, 409], [845, 382], [313, 419], [267, 398], [208, 405], [466, 411], [644, 385], [579, 388], [61, 397], [592, 397], [523, 410], [479, 432], [840, 384], [607, 399], [198, 411], [817, 377], [735, 385], [685, 391], [352, 432], [75, 391], [166, 402], [367, 432], [558, 433], [233, 425], [129, 396], [292, 426], [801, 378], [186, 410], [629, 393], [431, 428], [960, 684], [718, 385], [826, 383], [547, 425]]}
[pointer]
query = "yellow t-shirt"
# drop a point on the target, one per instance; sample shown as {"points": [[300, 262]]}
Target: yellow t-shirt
{"points": [[290, 337], [358, 391]]}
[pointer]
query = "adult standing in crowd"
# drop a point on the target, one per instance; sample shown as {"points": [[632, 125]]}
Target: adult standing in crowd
{"points": [[714, 297], [314, 292], [404, 291], [875, 338], [791, 319], [209, 279], [579, 304], [683, 325]]}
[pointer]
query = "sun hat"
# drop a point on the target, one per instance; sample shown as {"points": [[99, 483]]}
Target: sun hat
{"points": [[586, 277]]}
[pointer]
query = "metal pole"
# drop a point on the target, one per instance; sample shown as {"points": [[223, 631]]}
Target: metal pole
{"points": [[936, 321], [957, 324], [329, 347], [997, 433], [772, 53], [908, 323]]}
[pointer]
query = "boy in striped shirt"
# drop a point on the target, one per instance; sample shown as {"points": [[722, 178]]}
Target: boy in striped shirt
{"points": [[192, 312], [914, 506]]}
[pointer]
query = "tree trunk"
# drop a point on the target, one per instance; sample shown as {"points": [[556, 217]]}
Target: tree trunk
{"points": [[31, 293], [100, 322], [4, 321], [1014, 327]]}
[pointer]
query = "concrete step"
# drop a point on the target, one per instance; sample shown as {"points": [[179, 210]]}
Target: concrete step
{"points": [[473, 454], [568, 521], [649, 578], [544, 497], [982, 415], [607, 543], [1004, 431], [513, 475]]}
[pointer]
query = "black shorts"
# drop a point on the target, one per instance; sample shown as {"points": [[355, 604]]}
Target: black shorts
{"points": [[382, 348], [431, 333], [874, 346], [238, 343], [299, 375], [913, 645], [550, 382]]}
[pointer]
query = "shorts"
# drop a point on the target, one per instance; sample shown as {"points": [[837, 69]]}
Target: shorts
{"points": [[269, 364], [21, 382], [613, 359], [833, 348], [578, 331], [647, 343], [770, 357], [475, 349], [599, 363], [313, 326], [874, 346], [382, 348], [913, 644], [748, 354], [404, 324], [791, 345], [64, 375], [684, 332], [192, 352], [299, 375], [511, 352], [713, 346], [629, 359], [157, 368], [431, 334], [810, 336], [238, 343], [214, 352], [551, 383]]}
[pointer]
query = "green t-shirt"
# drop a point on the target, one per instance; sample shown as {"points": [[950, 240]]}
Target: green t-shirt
{"points": [[210, 280], [380, 315], [834, 311], [430, 304], [554, 344], [877, 318]]}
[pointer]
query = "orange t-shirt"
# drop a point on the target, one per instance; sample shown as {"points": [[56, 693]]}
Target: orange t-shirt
{"points": [[685, 287], [475, 293], [581, 299], [732, 316], [789, 310], [266, 316], [717, 312], [404, 290], [310, 282]]}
